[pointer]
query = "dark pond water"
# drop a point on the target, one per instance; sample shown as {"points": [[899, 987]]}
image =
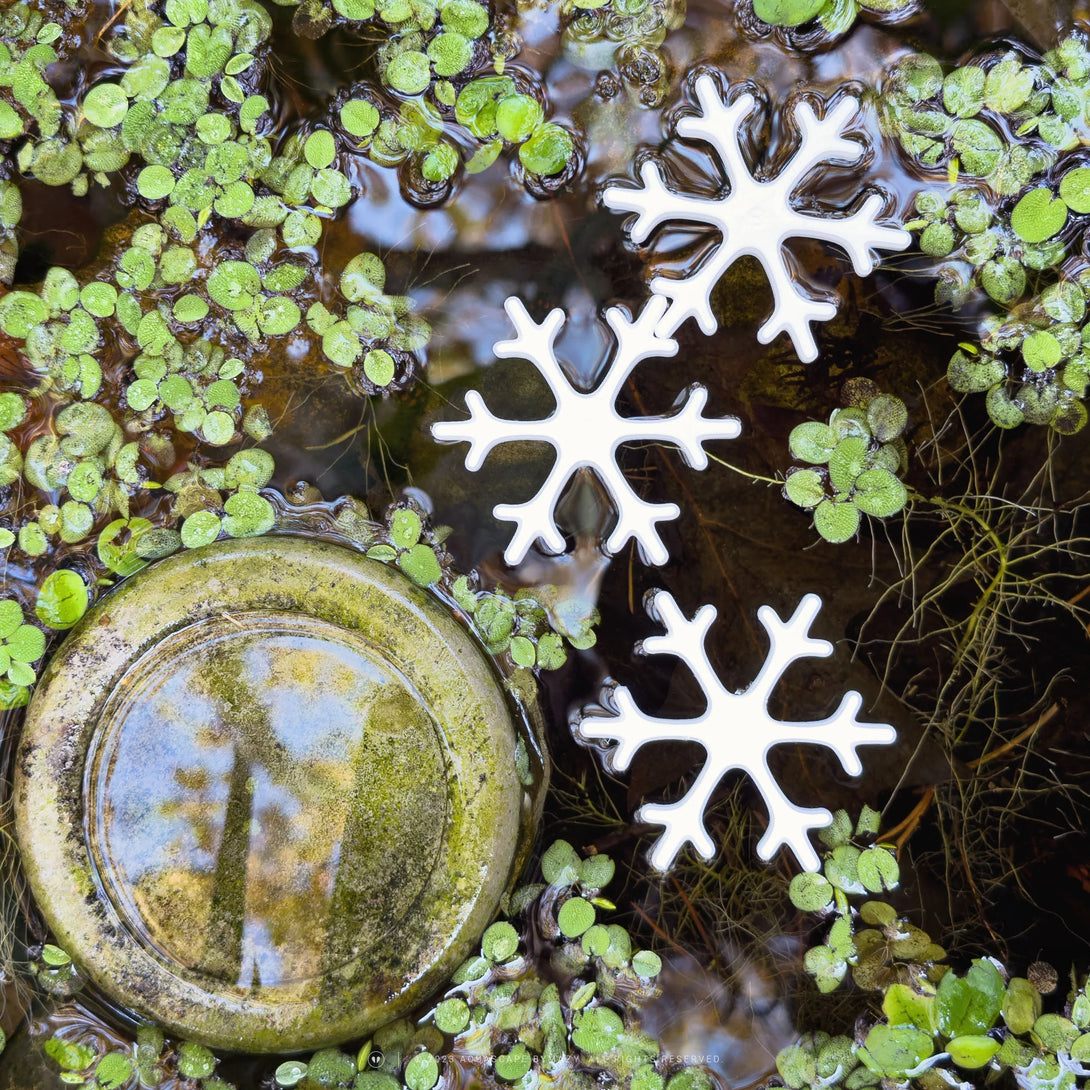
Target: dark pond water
{"points": [[986, 789]]}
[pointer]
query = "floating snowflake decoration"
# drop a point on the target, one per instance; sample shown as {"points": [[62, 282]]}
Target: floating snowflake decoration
{"points": [[757, 216], [736, 730], [586, 430]]}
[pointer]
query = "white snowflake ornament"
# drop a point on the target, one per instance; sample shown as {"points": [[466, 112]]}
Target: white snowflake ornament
{"points": [[736, 730], [586, 431], [757, 216]]}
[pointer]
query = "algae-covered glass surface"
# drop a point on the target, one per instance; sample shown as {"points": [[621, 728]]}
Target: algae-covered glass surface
{"points": [[370, 272], [259, 741]]}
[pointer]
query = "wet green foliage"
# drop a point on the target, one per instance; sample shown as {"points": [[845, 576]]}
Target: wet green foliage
{"points": [[542, 997], [1017, 126], [527, 626], [1003, 117], [937, 1025], [430, 54], [373, 338], [153, 1061], [835, 17], [21, 645], [853, 465]]}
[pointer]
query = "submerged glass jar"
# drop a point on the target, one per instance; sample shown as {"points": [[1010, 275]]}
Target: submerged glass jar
{"points": [[267, 794]]}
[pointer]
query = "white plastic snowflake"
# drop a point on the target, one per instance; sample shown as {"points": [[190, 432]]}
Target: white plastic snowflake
{"points": [[757, 217], [585, 429], [736, 730]]}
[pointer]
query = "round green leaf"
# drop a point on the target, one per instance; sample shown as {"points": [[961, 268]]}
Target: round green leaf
{"points": [[1041, 350], [812, 442], [560, 864], [248, 514], [972, 1051], [977, 145], [500, 942], [290, 1073], [113, 1071], [1038, 216], [836, 522], [787, 12], [879, 493], [218, 428], [26, 644], [878, 870], [359, 117], [892, 1051], [62, 600], [200, 528], [1075, 189], [421, 565], [452, 1015], [11, 617], [195, 1061], [106, 105], [517, 116], [409, 72], [320, 148], [575, 916], [646, 964], [449, 53], [513, 1065], [810, 892], [805, 487], [378, 366], [422, 1072], [548, 150], [1003, 410]]}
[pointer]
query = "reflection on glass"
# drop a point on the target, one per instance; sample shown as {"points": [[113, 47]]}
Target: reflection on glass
{"points": [[234, 812]]}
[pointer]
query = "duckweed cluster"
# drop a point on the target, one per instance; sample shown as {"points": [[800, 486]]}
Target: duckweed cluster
{"points": [[1016, 126], [937, 1027], [438, 59], [853, 466], [524, 626], [142, 431], [554, 991], [188, 106], [1003, 118]]}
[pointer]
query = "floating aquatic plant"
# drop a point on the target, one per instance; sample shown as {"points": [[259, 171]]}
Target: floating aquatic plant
{"points": [[1002, 117], [853, 466], [937, 1026], [522, 625], [375, 337]]}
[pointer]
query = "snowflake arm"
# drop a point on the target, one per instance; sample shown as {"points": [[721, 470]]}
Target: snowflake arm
{"points": [[822, 140], [534, 518], [483, 431], [655, 203], [736, 731], [720, 124]]}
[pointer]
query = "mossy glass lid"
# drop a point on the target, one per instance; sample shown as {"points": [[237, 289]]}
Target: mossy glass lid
{"points": [[266, 794]]}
